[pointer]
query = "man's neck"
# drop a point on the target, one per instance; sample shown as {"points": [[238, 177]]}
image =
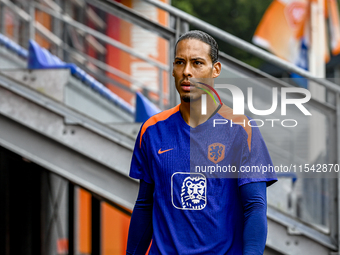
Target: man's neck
{"points": [[192, 112]]}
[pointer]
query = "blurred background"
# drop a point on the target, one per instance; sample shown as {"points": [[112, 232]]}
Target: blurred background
{"points": [[78, 77]]}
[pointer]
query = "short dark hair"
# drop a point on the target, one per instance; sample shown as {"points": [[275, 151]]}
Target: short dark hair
{"points": [[203, 37]]}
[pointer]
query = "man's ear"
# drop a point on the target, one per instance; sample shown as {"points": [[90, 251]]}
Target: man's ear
{"points": [[173, 69], [217, 69]]}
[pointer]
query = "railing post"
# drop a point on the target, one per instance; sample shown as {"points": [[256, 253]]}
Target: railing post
{"points": [[184, 26], [16, 35], [160, 87], [174, 99], [172, 87], [57, 30], [32, 21], [65, 31], [178, 27], [2, 18]]}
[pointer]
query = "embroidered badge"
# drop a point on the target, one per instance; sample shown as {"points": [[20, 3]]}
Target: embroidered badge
{"points": [[216, 152], [188, 191]]}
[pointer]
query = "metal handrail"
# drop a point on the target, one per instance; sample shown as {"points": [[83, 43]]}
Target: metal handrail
{"points": [[54, 39], [67, 19], [34, 25], [241, 44], [109, 69], [23, 15], [123, 12], [229, 61]]}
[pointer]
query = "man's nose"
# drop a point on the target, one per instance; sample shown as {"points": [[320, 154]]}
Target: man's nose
{"points": [[187, 70]]}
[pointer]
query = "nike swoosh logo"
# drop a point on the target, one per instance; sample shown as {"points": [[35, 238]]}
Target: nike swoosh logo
{"points": [[160, 151]]}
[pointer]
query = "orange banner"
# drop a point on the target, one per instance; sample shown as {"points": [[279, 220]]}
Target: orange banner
{"points": [[282, 27], [334, 25]]}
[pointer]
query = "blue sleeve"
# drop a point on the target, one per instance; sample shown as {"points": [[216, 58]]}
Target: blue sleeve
{"points": [[257, 159], [140, 231], [139, 168], [254, 204]]}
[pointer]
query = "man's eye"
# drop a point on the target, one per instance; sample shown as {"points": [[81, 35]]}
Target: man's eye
{"points": [[198, 63], [178, 62]]}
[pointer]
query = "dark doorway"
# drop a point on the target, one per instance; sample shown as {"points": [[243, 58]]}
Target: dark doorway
{"points": [[20, 205]]}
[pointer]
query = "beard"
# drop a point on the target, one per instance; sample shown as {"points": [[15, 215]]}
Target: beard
{"points": [[189, 98], [186, 98]]}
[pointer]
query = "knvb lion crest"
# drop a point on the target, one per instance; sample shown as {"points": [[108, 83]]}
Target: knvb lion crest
{"points": [[216, 152], [193, 193], [188, 191]]}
